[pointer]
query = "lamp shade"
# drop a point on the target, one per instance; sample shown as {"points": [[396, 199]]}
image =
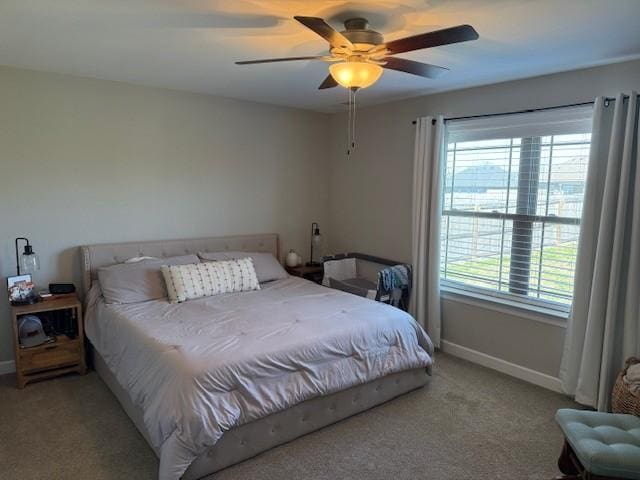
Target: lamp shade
{"points": [[355, 74], [316, 240], [29, 260]]}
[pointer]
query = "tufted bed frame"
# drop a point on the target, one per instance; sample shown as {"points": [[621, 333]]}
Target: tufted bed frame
{"points": [[260, 435]]}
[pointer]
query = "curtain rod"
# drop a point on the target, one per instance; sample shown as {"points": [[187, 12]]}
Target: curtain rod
{"points": [[528, 110]]}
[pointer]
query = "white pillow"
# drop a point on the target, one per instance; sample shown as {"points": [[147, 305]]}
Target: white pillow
{"points": [[186, 282]]}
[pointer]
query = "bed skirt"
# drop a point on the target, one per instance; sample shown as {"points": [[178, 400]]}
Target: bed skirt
{"points": [[263, 434]]}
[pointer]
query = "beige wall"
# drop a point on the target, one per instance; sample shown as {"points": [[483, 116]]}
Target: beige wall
{"points": [[84, 161], [88, 161], [370, 196]]}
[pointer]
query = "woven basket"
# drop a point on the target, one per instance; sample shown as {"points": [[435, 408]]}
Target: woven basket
{"points": [[622, 400]]}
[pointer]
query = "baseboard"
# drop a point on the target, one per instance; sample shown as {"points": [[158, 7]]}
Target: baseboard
{"points": [[7, 366], [517, 371]]}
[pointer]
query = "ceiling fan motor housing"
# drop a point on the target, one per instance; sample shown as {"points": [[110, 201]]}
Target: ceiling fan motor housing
{"points": [[358, 32]]}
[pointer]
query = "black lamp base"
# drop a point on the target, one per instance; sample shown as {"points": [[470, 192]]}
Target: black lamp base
{"points": [[30, 300]]}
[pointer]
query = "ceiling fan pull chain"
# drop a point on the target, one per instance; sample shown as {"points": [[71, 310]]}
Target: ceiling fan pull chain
{"points": [[351, 121], [349, 103], [353, 133], [348, 123]]}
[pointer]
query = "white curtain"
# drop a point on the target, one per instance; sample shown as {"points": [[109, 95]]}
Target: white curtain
{"points": [[604, 325], [427, 195]]}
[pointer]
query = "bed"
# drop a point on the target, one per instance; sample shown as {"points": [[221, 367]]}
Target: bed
{"points": [[214, 381]]}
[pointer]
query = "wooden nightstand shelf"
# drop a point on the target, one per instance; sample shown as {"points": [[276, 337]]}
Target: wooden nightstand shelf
{"points": [[313, 272], [65, 355]]}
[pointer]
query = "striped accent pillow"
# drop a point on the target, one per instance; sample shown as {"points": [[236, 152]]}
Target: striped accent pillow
{"points": [[186, 282]]}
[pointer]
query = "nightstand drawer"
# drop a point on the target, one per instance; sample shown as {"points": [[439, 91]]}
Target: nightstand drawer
{"points": [[50, 356]]}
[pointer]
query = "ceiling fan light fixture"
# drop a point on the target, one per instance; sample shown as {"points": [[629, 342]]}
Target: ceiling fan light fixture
{"points": [[355, 74]]}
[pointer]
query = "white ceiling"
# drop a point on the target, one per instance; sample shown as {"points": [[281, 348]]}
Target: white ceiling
{"points": [[192, 44]]}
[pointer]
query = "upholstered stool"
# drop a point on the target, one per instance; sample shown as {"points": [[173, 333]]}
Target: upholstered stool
{"points": [[599, 445]]}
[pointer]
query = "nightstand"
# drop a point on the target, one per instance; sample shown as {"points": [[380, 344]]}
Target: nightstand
{"points": [[313, 273], [64, 355]]}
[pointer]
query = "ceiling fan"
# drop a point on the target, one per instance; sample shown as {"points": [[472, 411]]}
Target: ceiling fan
{"points": [[359, 54]]}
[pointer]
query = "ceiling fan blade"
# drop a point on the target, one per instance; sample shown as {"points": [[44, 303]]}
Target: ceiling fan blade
{"points": [[287, 59], [415, 68], [328, 82], [326, 31], [461, 33]]}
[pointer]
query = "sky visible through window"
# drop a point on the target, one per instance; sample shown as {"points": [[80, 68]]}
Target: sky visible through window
{"points": [[483, 180]]}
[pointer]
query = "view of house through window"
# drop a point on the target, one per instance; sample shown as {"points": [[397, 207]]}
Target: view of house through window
{"points": [[511, 215]]}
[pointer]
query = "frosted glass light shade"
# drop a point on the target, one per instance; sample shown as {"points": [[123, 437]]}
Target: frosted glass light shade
{"points": [[355, 74], [30, 263]]}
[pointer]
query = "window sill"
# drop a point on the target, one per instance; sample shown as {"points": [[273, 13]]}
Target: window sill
{"points": [[532, 312]]}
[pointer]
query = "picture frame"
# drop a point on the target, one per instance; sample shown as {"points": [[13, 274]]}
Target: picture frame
{"points": [[21, 290]]}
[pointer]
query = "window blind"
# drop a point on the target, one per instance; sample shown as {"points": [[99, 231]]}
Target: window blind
{"points": [[512, 203], [534, 124]]}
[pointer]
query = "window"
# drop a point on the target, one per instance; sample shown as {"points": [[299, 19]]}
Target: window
{"points": [[512, 202]]}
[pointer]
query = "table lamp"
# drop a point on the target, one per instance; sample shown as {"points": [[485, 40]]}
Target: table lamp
{"points": [[316, 240], [20, 288], [28, 260]]}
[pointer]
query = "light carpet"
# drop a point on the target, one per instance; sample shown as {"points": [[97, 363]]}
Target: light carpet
{"points": [[467, 423]]}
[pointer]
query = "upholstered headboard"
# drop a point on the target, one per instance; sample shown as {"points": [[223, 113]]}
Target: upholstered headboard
{"points": [[103, 255]]}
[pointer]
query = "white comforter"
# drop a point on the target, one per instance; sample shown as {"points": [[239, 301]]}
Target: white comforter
{"points": [[205, 366]]}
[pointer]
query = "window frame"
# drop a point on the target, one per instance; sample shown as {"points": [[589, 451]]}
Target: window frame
{"points": [[543, 313], [522, 221], [515, 301]]}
